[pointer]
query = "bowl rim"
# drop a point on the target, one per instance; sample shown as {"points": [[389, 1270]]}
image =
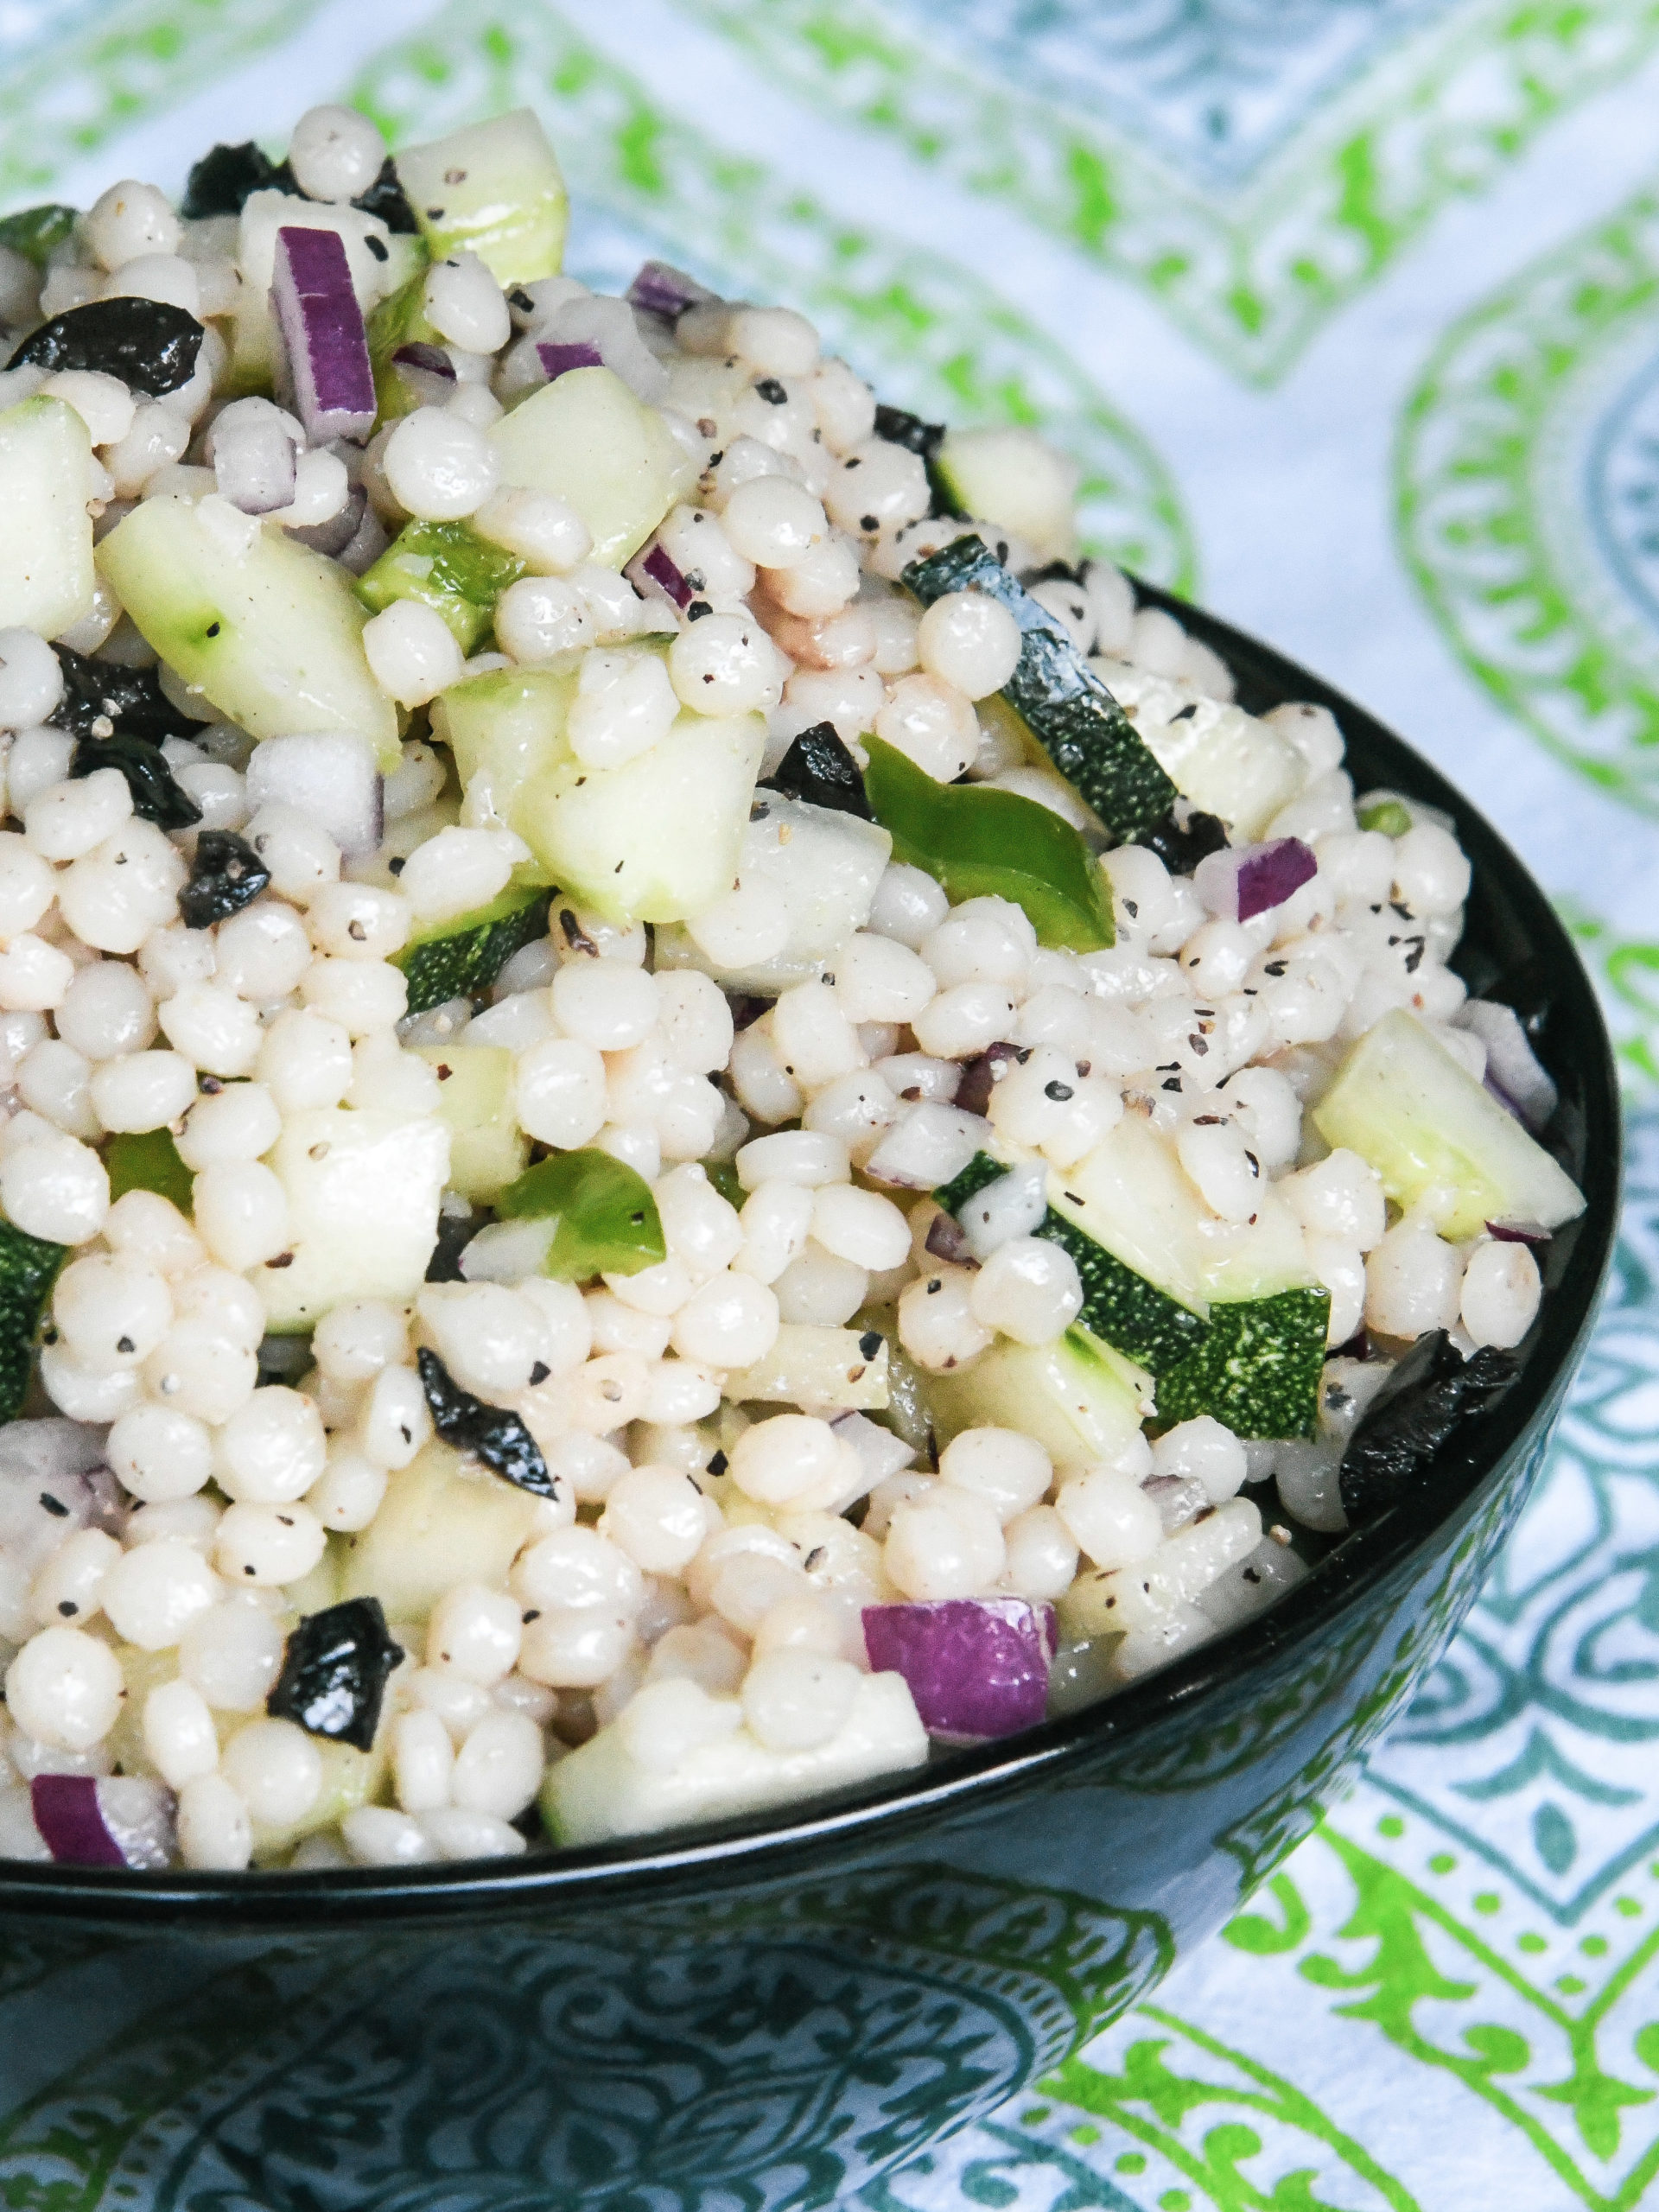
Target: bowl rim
{"points": [[973, 1782]]}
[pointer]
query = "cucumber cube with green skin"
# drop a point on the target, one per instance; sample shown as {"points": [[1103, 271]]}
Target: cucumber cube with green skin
{"points": [[460, 958], [1258, 1369], [1079, 1401], [1438, 1138], [446, 1520], [606, 1219], [446, 567], [149, 1161], [47, 577], [271, 633], [1079, 724], [978, 843], [487, 1149], [495, 188], [29, 1267], [1119, 1306], [587, 439]]}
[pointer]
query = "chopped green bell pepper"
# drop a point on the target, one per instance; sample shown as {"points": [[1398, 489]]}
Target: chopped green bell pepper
{"points": [[606, 1220], [979, 842], [449, 569], [149, 1162]]}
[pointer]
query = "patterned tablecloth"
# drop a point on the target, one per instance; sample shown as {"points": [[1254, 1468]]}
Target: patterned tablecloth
{"points": [[1350, 309]]}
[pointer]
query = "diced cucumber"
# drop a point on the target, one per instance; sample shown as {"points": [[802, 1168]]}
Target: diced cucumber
{"points": [[1080, 725], [824, 865], [487, 1149], [446, 1520], [1074, 1396], [149, 1162], [1225, 761], [363, 1190], [602, 1791], [400, 318], [350, 1778], [1006, 475], [462, 958], [587, 439], [815, 1369], [267, 630], [29, 1267], [376, 271], [45, 533], [1258, 1369], [1119, 1306], [1438, 1138], [446, 567], [494, 188], [503, 727]]}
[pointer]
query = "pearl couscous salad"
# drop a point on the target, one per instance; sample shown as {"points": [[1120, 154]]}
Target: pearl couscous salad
{"points": [[684, 1111]]}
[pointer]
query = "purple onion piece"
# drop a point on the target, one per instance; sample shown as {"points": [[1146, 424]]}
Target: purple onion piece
{"points": [[947, 1240], [1518, 1232], [747, 1009], [662, 572], [1496, 1090], [978, 1077], [321, 323], [663, 290], [559, 359], [71, 1823], [430, 360], [1245, 880], [976, 1667]]}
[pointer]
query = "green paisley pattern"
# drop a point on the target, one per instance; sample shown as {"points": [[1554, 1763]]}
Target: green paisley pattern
{"points": [[1443, 1994]]}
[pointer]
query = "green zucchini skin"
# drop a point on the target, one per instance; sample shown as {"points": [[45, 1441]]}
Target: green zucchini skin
{"points": [[1079, 723], [1119, 1306], [29, 1267], [464, 960], [1259, 1368]]}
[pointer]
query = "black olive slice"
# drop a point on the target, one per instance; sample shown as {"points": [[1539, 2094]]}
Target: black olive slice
{"points": [[490, 1433], [225, 176], [1430, 1393], [1182, 845], [386, 197], [226, 875], [156, 797], [335, 1671], [149, 344], [100, 699], [900, 427], [819, 769]]}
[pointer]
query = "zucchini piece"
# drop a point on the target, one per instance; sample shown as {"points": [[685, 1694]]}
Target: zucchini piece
{"points": [[487, 1149], [1438, 1137], [1119, 1306], [446, 567], [1074, 1396], [363, 1191], [149, 1161], [462, 958], [977, 841], [268, 631], [1077, 721], [494, 188], [446, 1520], [45, 533], [1258, 1369], [586, 438], [606, 1219], [29, 1267]]}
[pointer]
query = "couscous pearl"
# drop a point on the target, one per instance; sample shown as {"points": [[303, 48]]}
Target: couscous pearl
{"points": [[794, 1700], [31, 681], [476, 1633], [53, 1081], [359, 921], [1042, 1555], [242, 1213], [179, 1733], [725, 664], [541, 618], [64, 1688], [261, 1545], [498, 1769], [28, 886], [35, 976], [464, 303], [908, 906], [411, 650], [932, 724], [423, 1762], [304, 1060], [240, 1123], [877, 486], [658, 1516], [455, 1831], [877, 979], [731, 1321], [1028, 1289], [814, 1036], [818, 1290], [128, 220], [335, 154], [69, 1585], [272, 1450], [624, 705], [65, 821], [198, 1369], [1111, 1518], [559, 1088], [970, 642], [773, 342], [276, 1770], [489, 1337], [115, 895], [750, 926], [823, 580], [395, 1422], [56, 1188], [156, 1593], [350, 1492], [364, 996], [545, 531], [232, 1654], [790, 1457], [693, 1019], [1227, 1173], [219, 1032], [937, 1322], [773, 523], [216, 1833], [1412, 1281], [263, 952], [1431, 871], [148, 1227], [299, 851], [106, 1011], [460, 1705], [762, 1089], [1501, 1288], [159, 1455], [439, 467], [1339, 1196], [1205, 1450], [861, 1226], [354, 1340], [456, 871], [963, 1020], [940, 1547], [1009, 1472], [575, 1648], [111, 1312], [88, 1393], [777, 1220], [375, 1835]]}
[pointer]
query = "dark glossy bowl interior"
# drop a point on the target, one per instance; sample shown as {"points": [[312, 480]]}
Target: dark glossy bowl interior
{"points": [[1513, 949], [774, 2013]]}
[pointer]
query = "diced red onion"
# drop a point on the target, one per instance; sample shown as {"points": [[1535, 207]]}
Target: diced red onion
{"points": [[1179, 1498], [1513, 1072], [979, 1077], [976, 1667], [661, 290], [1518, 1232], [331, 777], [946, 1241], [1245, 880], [880, 1453], [334, 536], [71, 1822], [927, 1146], [558, 361], [653, 567], [428, 371], [316, 309], [1496, 1090], [254, 459]]}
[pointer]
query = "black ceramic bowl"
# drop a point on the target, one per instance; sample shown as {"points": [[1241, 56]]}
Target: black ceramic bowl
{"points": [[770, 2013]]}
